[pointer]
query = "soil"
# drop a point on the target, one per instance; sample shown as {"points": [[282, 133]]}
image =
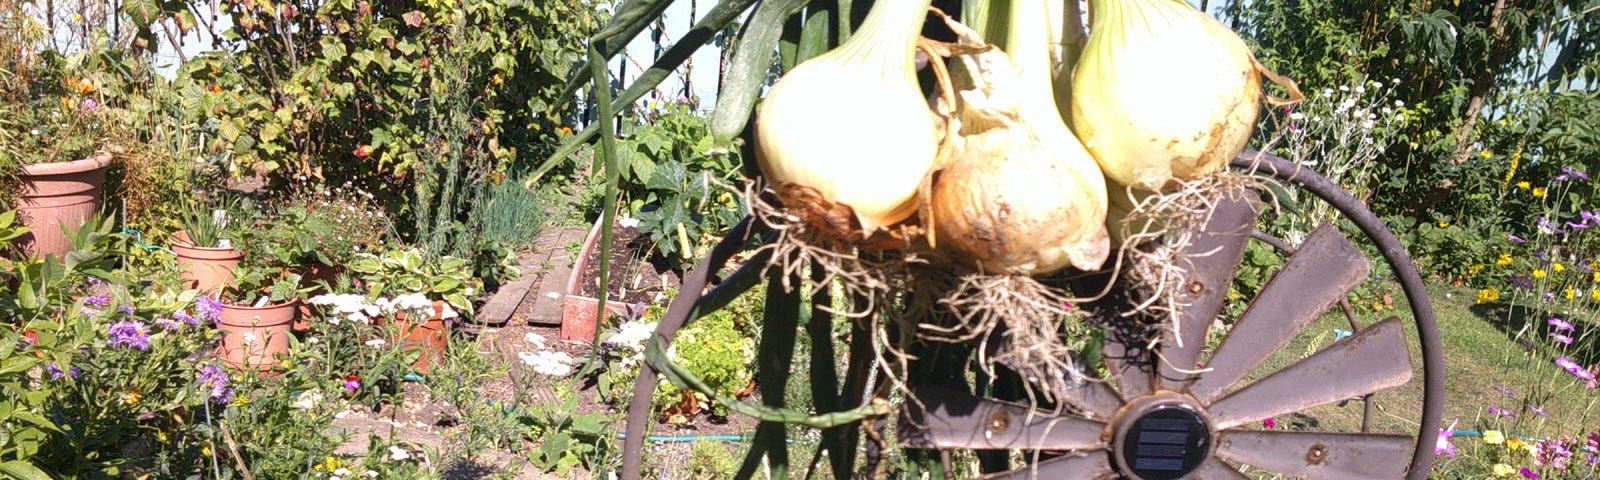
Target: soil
{"points": [[639, 274]]}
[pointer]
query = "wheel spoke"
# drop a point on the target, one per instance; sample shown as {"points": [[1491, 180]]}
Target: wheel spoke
{"points": [[1213, 256], [951, 419], [1215, 469], [1315, 277], [1373, 359], [1082, 465], [1129, 369], [1319, 455]]}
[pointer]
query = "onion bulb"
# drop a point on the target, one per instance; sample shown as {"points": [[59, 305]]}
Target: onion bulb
{"points": [[851, 127], [1162, 91], [1016, 193]]}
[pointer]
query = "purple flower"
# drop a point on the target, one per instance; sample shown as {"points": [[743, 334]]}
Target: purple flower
{"points": [[214, 380], [1269, 423], [1561, 178], [55, 371], [128, 333], [1574, 369], [88, 312], [208, 308], [1529, 473], [167, 323], [1561, 325], [1443, 445], [1521, 281], [89, 105], [1502, 412], [1548, 296], [1561, 339], [1590, 216], [1515, 238], [1506, 391], [1538, 411], [185, 317], [1577, 226], [100, 301], [1575, 173], [126, 309]]}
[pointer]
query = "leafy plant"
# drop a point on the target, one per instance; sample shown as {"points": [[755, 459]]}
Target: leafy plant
{"points": [[403, 271], [207, 222]]}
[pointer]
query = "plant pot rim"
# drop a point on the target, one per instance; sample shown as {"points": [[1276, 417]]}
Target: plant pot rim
{"points": [[289, 305], [92, 162]]}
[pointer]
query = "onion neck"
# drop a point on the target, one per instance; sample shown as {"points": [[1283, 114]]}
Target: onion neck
{"points": [[1028, 44], [887, 38]]}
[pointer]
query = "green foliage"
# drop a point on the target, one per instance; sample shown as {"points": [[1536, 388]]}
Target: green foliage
{"points": [[711, 460], [403, 271], [329, 89], [718, 349], [513, 215], [566, 438]]}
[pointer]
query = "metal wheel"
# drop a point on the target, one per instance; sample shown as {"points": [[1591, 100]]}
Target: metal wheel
{"points": [[1153, 420]]}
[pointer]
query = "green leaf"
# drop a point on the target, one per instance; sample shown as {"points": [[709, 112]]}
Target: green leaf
{"points": [[21, 470], [748, 70]]}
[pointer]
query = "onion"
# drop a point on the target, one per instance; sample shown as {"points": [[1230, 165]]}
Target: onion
{"points": [[1016, 192], [1162, 91], [851, 127]]}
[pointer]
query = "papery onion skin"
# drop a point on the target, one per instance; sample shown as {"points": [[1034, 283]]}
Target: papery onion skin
{"points": [[852, 124], [1162, 91]]}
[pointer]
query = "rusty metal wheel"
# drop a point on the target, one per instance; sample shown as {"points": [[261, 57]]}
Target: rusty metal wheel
{"points": [[1153, 420]]}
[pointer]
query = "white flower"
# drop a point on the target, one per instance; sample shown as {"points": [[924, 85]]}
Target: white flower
{"points": [[1297, 116], [353, 307], [534, 339], [414, 303], [1344, 88], [555, 364], [342, 471], [370, 474], [1377, 84], [1361, 89], [249, 338], [627, 221], [314, 340], [335, 477], [376, 342], [632, 335], [398, 454]]}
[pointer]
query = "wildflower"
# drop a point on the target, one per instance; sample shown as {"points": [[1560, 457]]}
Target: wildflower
{"points": [[1515, 238], [1443, 444], [307, 400], [125, 310], [1538, 410], [1514, 443], [167, 323], [214, 381], [1575, 173], [534, 339], [128, 333], [352, 382], [1523, 185], [1558, 267], [376, 342], [249, 338], [1486, 154], [1503, 470], [1493, 437], [98, 301], [1502, 412], [1577, 226], [1269, 423], [207, 308], [132, 397], [1561, 325], [1529, 473], [1508, 393], [1570, 292], [1443, 224], [185, 317], [1538, 273], [1595, 294], [1538, 192], [56, 373], [354, 307], [1488, 295], [1561, 339], [398, 454], [1574, 369]]}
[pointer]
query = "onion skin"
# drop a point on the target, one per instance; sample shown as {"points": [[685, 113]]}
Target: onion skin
{"points": [[1162, 91], [852, 124]]}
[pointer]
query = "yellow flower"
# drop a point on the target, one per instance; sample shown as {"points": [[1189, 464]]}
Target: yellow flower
{"points": [[1595, 295], [1558, 267], [132, 397], [1488, 295], [1473, 270], [1493, 437], [1503, 470], [1596, 275], [1486, 154], [1522, 185], [1538, 273], [1513, 444], [1443, 224], [1505, 259], [1538, 191], [1571, 293]]}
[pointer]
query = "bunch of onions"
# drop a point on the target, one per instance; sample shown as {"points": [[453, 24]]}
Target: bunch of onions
{"points": [[1016, 193], [851, 128], [1162, 91]]}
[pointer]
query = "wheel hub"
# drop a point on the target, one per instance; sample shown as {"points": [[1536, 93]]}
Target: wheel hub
{"points": [[1162, 436]]}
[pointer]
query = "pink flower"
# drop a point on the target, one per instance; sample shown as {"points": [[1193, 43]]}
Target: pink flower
{"points": [[1561, 325], [1561, 339], [1269, 423], [1575, 369], [1443, 445]]}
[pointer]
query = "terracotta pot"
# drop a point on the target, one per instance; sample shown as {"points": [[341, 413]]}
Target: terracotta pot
{"points": [[578, 322], [430, 336], [266, 328], [309, 275], [58, 196], [207, 269]]}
